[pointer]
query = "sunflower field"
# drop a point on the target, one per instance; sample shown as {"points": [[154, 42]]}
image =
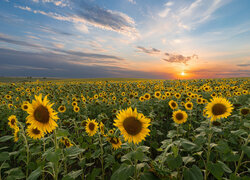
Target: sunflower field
{"points": [[125, 129]]}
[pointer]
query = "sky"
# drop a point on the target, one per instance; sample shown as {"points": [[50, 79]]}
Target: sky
{"points": [[158, 39]]}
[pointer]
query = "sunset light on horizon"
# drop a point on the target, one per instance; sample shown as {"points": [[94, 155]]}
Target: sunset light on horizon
{"points": [[163, 39]]}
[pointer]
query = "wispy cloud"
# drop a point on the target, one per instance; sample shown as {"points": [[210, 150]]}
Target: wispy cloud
{"points": [[90, 15], [243, 65], [178, 58], [148, 50]]}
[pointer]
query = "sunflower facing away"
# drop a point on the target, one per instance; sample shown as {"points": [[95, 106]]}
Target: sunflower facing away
{"points": [[218, 108], [116, 142], [133, 125], [91, 127], [180, 116], [41, 114], [12, 121], [102, 127], [34, 132]]}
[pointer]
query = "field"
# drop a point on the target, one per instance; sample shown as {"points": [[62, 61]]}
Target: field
{"points": [[122, 129]]}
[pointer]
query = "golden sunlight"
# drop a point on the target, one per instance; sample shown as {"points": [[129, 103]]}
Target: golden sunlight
{"points": [[182, 73]]}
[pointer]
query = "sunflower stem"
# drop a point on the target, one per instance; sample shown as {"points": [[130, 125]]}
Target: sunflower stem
{"points": [[27, 149], [241, 157], [56, 163], [209, 149], [101, 146], [43, 158]]}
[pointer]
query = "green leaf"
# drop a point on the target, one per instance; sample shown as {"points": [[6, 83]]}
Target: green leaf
{"points": [[224, 167], [95, 172], [35, 174], [222, 147], [138, 155], [53, 156], [148, 176], [73, 151], [215, 169], [4, 156], [239, 132], [15, 173], [62, 133], [123, 173], [188, 145], [5, 138], [247, 125], [173, 162], [188, 159], [72, 175], [193, 173], [246, 149]]}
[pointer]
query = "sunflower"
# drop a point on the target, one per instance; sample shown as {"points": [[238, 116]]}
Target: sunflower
{"points": [[189, 105], [157, 94], [173, 105], [91, 127], [102, 127], [66, 142], [180, 116], [24, 107], [111, 131], [76, 109], [12, 121], [133, 125], [218, 108], [177, 95], [244, 111], [147, 96], [62, 109], [116, 142], [74, 103], [34, 132], [41, 114]]}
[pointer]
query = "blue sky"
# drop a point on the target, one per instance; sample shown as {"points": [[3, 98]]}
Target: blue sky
{"points": [[125, 38]]}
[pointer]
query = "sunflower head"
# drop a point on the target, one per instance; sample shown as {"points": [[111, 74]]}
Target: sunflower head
{"points": [[244, 111], [76, 109], [133, 125], [12, 121], [116, 142], [34, 132], [173, 105], [41, 114], [62, 109], [218, 108], [91, 127], [180, 116], [189, 106], [24, 107], [66, 142]]}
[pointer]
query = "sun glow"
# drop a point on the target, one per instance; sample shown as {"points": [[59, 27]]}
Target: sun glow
{"points": [[182, 73]]}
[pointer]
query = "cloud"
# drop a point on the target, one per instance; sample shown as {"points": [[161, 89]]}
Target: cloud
{"points": [[178, 58], [243, 65], [61, 3], [54, 31], [149, 50], [106, 19], [132, 1], [59, 49], [6, 39], [19, 63], [90, 15]]}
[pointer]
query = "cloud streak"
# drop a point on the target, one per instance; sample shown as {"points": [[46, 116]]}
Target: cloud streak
{"points": [[148, 50], [178, 58]]}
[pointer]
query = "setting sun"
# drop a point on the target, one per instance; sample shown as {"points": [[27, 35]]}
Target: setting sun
{"points": [[182, 73]]}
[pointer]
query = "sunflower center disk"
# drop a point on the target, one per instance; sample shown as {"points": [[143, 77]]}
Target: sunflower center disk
{"points": [[173, 104], [219, 109], [35, 131], [244, 111], [13, 122], [114, 140], [91, 126], [132, 125], [42, 114], [179, 116]]}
